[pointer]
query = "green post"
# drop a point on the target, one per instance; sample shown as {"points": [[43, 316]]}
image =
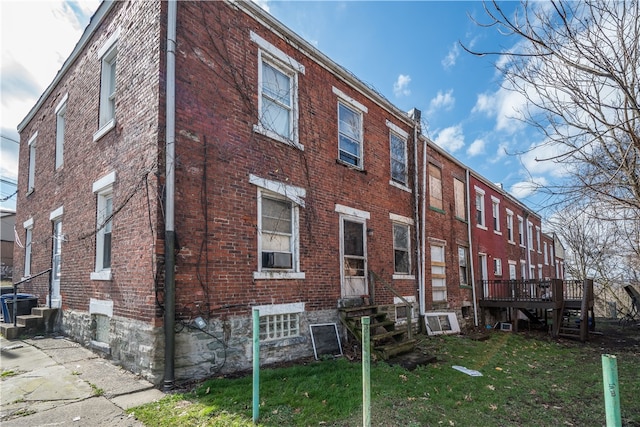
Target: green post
{"points": [[256, 365], [611, 392], [366, 372]]}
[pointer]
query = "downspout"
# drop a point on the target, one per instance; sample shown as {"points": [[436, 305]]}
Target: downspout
{"points": [[169, 235], [423, 224], [419, 232], [473, 276], [526, 245]]}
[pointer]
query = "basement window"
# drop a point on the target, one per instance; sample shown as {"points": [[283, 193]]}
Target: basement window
{"points": [[442, 323], [279, 326]]}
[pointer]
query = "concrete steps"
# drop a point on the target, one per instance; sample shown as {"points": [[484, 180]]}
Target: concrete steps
{"points": [[41, 320]]}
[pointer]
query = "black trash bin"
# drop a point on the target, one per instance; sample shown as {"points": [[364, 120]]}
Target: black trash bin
{"points": [[25, 303]]}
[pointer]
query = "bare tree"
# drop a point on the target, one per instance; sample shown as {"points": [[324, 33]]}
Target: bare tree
{"points": [[577, 65]]}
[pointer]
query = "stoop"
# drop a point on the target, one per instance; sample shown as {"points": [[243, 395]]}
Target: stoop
{"points": [[40, 320]]}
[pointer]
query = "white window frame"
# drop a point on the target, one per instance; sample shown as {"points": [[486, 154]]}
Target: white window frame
{"points": [[539, 246], [530, 235], [358, 109], [103, 189], [521, 231], [294, 195], [495, 210], [61, 111], [510, 234], [513, 274], [31, 180], [540, 274], [107, 55], [464, 251], [438, 276], [480, 208], [407, 223], [546, 253], [403, 136], [451, 324], [28, 227], [523, 269], [497, 267], [285, 64], [276, 316], [399, 303]]}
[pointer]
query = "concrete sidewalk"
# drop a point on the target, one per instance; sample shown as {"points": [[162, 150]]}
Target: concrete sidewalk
{"points": [[55, 381]]}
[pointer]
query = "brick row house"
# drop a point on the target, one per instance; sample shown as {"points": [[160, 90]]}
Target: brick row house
{"points": [[194, 161]]}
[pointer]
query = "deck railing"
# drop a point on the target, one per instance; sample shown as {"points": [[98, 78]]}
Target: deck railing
{"points": [[522, 290]]}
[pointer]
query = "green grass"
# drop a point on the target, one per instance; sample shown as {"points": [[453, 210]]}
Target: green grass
{"points": [[526, 381]]}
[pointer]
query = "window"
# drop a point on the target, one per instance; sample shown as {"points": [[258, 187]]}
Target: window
{"points": [[546, 254], [350, 135], [523, 269], [538, 246], [402, 311], [530, 235], [460, 199], [60, 124], [278, 229], [107, 55], [480, 208], [462, 263], [438, 274], [442, 323], [497, 266], [103, 188], [32, 163], [398, 154], [495, 209], [435, 187], [279, 326], [512, 270], [28, 226], [540, 276], [520, 231], [401, 250], [278, 93], [510, 226]]}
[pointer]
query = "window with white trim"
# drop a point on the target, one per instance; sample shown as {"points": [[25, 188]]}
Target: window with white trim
{"points": [[495, 209], [401, 249], [349, 135], [278, 229], [480, 208], [107, 55], [510, 226], [28, 227], [277, 93], [521, 231], [530, 235], [31, 180], [398, 152], [546, 253], [61, 111], [279, 321], [497, 266], [103, 188], [463, 263], [538, 246], [438, 273]]}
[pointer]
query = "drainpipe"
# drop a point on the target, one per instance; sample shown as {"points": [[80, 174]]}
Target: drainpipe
{"points": [[473, 276], [418, 229], [169, 235]]}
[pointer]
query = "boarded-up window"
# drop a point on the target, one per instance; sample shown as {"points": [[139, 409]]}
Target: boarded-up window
{"points": [[458, 192], [435, 187]]}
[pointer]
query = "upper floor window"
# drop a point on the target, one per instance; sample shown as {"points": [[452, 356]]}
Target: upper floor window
{"points": [[480, 208], [398, 154], [546, 253], [278, 229], [520, 231], [495, 209], [460, 199], [435, 187], [107, 54], [350, 130], [103, 188], [510, 226], [538, 245], [401, 245], [31, 180], [61, 111], [497, 266], [28, 227], [530, 235], [277, 93]]}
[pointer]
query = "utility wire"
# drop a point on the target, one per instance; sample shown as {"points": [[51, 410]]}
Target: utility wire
{"points": [[10, 139]]}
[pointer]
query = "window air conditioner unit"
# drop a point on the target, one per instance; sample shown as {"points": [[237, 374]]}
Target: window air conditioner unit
{"points": [[276, 260]]}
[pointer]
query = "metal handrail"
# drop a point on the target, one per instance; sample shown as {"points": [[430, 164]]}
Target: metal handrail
{"points": [[15, 293]]}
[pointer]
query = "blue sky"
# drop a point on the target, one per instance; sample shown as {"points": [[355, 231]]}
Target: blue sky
{"points": [[406, 50]]}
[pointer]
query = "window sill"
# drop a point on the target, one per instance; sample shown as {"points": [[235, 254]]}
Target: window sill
{"points": [[466, 287], [433, 208], [104, 275], [400, 186], [403, 277], [461, 219], [512, 242], [481, 227], [30, 191], [498, 232], [271, 134], [267, 275], [104, 130], [350, 166]]}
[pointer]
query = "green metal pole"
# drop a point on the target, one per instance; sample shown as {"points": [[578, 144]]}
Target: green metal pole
{"points": [[256, 365], [611, 392], [366, 372]]}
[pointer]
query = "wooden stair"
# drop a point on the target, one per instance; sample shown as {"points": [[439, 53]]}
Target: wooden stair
{"points": [[386, 340], [41, 320]]}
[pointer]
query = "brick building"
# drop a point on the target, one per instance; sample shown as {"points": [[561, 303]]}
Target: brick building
{"points": [[193, 161]]}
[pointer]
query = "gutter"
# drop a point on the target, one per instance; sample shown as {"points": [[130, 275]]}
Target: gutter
{"points": [[169, 236]]}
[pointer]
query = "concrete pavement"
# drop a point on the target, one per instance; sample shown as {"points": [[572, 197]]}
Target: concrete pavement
{"points": [[53, 381]]}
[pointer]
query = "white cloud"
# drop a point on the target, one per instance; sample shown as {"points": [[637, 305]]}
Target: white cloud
{"points": [[444, 101], [401, 86], [505, 105], [451, 138], [452, 56], [524, 189], [476, 148]]}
